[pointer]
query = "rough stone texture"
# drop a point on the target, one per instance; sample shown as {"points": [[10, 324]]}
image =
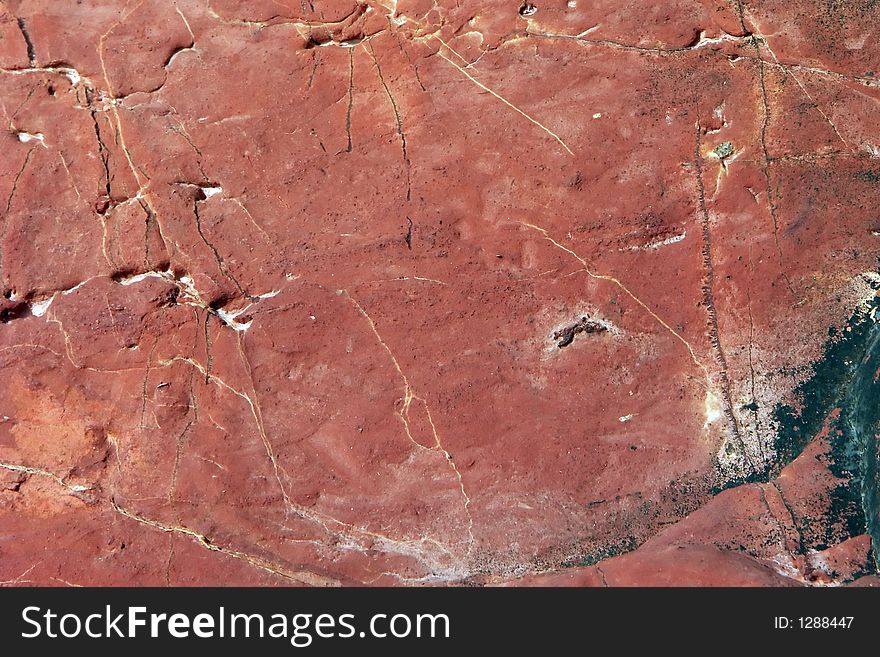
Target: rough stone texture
{"points": [[281, 285]]}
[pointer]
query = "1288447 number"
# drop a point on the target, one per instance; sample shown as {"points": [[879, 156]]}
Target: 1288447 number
{"points": [[825, 622], [813, 622]]}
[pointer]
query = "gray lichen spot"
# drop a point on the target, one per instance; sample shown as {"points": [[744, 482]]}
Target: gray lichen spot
{"points": [[723, 150]]}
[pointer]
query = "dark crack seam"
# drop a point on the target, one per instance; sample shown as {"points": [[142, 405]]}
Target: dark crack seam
{"points": [[27, 159], [103, 152], [398, 121], [220, 261], [765, 123], [31, 51], [350, 99], [709, 301]]}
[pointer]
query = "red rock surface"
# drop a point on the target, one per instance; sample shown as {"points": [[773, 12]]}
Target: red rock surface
{"points": [[281, 283]]}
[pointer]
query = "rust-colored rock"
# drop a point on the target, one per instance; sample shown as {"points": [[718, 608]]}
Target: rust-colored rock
{"points": [[343, 293]]}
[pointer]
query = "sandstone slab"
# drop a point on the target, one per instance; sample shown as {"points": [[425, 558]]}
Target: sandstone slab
{"points": [[390, 293]]}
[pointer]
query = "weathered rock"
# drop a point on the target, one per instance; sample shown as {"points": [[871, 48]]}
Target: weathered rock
{"points": [[281, 285]]}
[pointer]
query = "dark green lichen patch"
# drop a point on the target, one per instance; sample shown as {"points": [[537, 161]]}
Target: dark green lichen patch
{"points": [[830, 385], [856, 456], [627, 544], [869, 175], [840, 514], [841, 400], [846, 517], [846, 380]]}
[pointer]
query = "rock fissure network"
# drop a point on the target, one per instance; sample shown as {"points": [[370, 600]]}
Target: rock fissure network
{"points": [[410, 292]]}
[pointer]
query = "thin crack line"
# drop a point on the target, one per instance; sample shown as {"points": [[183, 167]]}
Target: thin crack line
{"points": [[507, 102], [352, 532], [807, 94], [25, 469], [771, 203], [408, 397], [303, 577], [625, 290]]}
